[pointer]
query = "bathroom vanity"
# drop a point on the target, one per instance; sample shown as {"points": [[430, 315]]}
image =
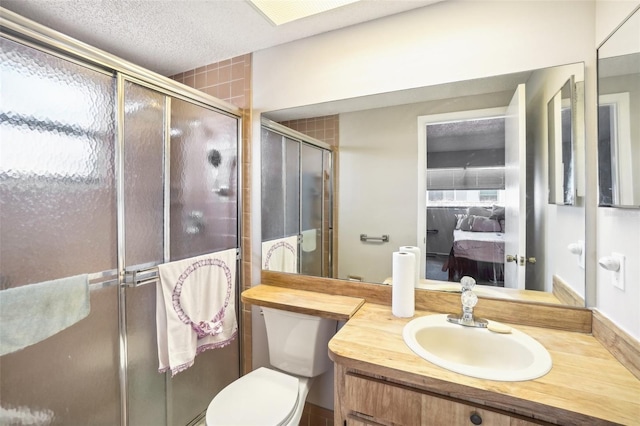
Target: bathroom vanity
{"points": [[380, 381]]}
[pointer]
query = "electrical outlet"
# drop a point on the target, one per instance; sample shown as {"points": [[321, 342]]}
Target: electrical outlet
{"points": [[618, 276]]}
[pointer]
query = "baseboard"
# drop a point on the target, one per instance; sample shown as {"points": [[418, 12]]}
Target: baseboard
{"points": [[622, 346]]}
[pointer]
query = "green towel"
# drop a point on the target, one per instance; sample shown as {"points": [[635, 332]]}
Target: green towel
{"points": [[34, 312]]}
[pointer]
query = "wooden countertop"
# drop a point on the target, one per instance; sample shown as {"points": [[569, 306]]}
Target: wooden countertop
{"points": [[305, 302], [586, 384]]}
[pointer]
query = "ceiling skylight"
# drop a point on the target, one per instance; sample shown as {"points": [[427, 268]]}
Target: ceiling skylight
{"points": [[282, 11]]}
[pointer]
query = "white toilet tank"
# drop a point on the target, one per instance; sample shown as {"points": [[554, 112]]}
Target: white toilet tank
{"points": [[298, 342]]}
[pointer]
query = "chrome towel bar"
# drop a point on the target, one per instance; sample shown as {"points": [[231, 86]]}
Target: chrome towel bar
{"points": [[382, 239], [134, 276], [138, 275], [103, 279]]}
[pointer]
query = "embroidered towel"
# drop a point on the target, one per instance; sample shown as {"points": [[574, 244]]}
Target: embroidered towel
{"points": [[195, 308], [34, 312], [280, 255]]}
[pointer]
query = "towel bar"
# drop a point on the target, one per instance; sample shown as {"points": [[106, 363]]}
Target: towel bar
{"points": [[147, 273], [103, 279], [138, 275], [382, 239]]}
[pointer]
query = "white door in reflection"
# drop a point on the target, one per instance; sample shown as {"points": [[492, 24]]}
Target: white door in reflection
{"points": [[515, 187]]}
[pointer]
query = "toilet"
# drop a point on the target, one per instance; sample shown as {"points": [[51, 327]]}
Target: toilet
{"points": [[274, 397]]}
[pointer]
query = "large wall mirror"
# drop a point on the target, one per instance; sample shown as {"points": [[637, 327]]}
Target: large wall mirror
{"points": [[461, 170], [618, 112]]}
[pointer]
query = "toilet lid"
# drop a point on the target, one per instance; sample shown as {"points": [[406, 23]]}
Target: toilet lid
{"points": [[262, 397]]}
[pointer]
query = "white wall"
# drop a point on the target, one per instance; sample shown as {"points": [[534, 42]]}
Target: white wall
{"points": [[378, 172], [445, 42], [618, 230], [609, 14]]}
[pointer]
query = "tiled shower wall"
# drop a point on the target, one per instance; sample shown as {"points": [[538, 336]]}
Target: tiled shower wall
{"points": [[322, 128], [230, 80]]}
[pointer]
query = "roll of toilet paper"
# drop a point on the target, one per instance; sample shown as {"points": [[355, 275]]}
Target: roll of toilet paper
{"points": [[403, 287], [416, 253]]}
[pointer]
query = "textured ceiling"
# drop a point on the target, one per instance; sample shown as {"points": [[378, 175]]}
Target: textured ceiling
{"points": [[174, 36]]}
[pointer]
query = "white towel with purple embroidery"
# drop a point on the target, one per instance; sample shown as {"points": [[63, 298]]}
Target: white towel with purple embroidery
{"points": [[280, 255], [195, 308]]}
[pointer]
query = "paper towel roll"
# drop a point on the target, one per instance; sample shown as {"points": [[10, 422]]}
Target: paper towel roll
{"points": [[416, 252], [403, 288]]}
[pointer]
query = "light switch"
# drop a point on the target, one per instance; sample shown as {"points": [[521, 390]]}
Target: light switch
{"points": [[618, 276]]}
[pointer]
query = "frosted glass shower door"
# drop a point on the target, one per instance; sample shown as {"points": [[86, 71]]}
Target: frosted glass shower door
{"points": [[58, 219], [144, 134], [311, 210], [203, 219], [204, 193], [280, 186], [201, 150]]}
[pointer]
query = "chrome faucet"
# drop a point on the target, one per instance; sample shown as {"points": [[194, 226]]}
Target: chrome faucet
{"points": [[469, 300]]}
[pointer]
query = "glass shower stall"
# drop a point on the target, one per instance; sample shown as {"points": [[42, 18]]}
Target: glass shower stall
{"points": [[108, 170], [297, 196]]}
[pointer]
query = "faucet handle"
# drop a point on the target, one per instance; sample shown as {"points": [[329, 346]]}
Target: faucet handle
{"points": [[467, 283], [469, 299]]}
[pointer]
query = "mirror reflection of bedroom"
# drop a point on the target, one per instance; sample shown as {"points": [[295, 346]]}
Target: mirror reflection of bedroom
{"points": [[465, 200]]}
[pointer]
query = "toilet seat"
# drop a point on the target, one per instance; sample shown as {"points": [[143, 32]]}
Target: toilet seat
{"points": [[262, 397]]}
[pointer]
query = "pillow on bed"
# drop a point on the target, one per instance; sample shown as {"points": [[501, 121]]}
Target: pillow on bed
{"points": [[484, 224], [479, 211], [464, 222], [497, 212]]}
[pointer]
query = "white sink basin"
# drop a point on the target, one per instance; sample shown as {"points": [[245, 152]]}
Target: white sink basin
{"points": [[477, 352]]}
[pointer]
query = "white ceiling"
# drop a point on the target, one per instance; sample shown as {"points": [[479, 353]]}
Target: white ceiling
{"points": [[169, 37]]}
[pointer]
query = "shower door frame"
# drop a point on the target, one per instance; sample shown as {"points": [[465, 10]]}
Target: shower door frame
{"points": [[21, 30]]}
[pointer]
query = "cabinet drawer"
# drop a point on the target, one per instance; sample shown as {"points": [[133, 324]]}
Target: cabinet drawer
{"points": [[382, 402], [371, 402], [440, 411]]}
